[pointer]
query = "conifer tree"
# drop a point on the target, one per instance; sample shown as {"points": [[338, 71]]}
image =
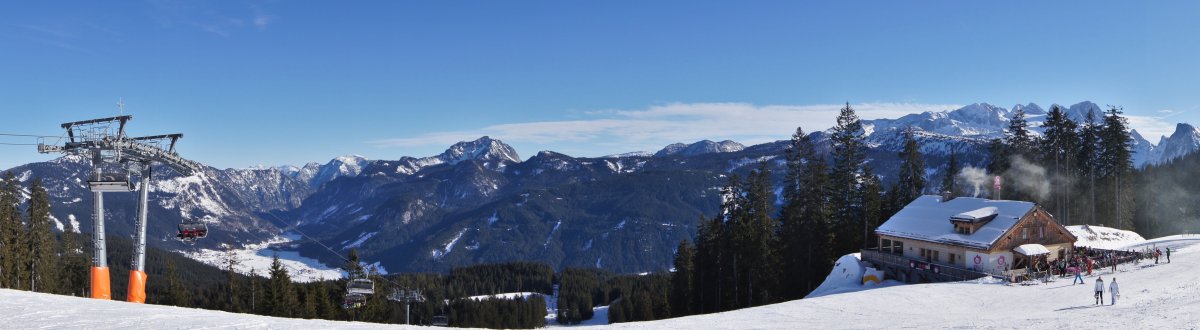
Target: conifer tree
{"points": [[43, 268], [1116, 167], [177, 293], [233, 304], [755, 237], [1087, 158], [14, 253], [681, 279], [816, 236], [849, 152], [310, 302], [1017, 137], [911, 180], [950, 180], [804, 235], [999, 154], [1058, 148], [280, 298], [353, 267], [73, 265], [326, 305], [872, 206]]}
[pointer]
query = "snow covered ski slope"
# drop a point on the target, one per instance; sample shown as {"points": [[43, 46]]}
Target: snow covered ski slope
{"points": [[1163, 296]]}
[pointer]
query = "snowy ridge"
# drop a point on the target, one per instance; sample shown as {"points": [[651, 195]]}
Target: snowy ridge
{"points": [[941, 131], [699, 148]]}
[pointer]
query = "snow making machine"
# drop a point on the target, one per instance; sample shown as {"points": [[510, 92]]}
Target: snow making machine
{"points": [[104, 142]]}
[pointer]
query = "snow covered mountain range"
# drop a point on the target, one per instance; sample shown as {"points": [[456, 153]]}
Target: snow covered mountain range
{"points": [[982, 121], [480, 202]]}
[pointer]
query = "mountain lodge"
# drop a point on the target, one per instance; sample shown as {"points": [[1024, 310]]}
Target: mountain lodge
{"points": [[933, 239]]}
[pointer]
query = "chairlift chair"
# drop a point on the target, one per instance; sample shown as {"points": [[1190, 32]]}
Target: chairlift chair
{"points": [[114, 182], [360, 286], [354, 300], [192, 230]]}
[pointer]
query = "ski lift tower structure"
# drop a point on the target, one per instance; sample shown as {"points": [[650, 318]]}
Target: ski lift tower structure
{"points": [[104, 142], [407, 297]]}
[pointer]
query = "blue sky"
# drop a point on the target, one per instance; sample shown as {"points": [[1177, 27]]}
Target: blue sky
{"points": [[289, 82]]}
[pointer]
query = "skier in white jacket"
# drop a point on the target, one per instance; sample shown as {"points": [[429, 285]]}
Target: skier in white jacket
{"points": [[1114, 291], [1099, 290]]}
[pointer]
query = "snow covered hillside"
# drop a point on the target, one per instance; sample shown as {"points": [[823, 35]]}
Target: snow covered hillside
{"points": [[1152, 296], [27, 310]]}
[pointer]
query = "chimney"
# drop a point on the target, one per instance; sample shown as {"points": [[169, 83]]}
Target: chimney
{"points": [[996, 187], [947, 196]]}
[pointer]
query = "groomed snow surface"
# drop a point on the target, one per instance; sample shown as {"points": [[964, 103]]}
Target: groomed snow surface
{"points": [[1162, 296]]}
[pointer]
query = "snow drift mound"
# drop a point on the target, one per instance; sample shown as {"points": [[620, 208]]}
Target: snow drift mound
{"points": [[850, 274], [1104, 237]]}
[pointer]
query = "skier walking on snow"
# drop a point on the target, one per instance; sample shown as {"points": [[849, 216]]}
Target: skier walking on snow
{"points": [[1099, 290], [1113, 291], [1078, 276]]}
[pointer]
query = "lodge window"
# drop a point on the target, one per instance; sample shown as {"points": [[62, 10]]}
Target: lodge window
{"points": [[953, 257], [898, 247], [1041, 232], [885, 245], [936, 256], [1024, 233]]}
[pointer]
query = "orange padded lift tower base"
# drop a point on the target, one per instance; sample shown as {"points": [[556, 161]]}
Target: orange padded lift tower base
{"points": [[137, 287], [100, 283]]}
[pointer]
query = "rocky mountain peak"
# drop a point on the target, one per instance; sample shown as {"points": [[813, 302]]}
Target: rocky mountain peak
{"points": [[482, 149], [699, 148]]}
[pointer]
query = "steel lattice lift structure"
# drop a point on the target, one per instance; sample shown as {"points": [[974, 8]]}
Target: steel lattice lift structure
{"points": [[95, 139]]}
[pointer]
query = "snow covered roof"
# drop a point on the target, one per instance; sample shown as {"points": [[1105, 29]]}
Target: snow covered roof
{"points": [[976, 215], [1032, 249], [927, 218]]}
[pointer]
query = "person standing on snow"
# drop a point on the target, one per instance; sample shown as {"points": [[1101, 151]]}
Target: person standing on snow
{"points": [[1113, 291], [1078, 276], [1099, 290], [1168, 254]]}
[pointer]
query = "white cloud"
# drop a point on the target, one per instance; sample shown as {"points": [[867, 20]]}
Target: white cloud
{"points": [[616, 131], [1152, 127], [261, 21]]}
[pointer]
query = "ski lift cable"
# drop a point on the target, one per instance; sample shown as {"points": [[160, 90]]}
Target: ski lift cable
{"points": [[28, 135]]}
